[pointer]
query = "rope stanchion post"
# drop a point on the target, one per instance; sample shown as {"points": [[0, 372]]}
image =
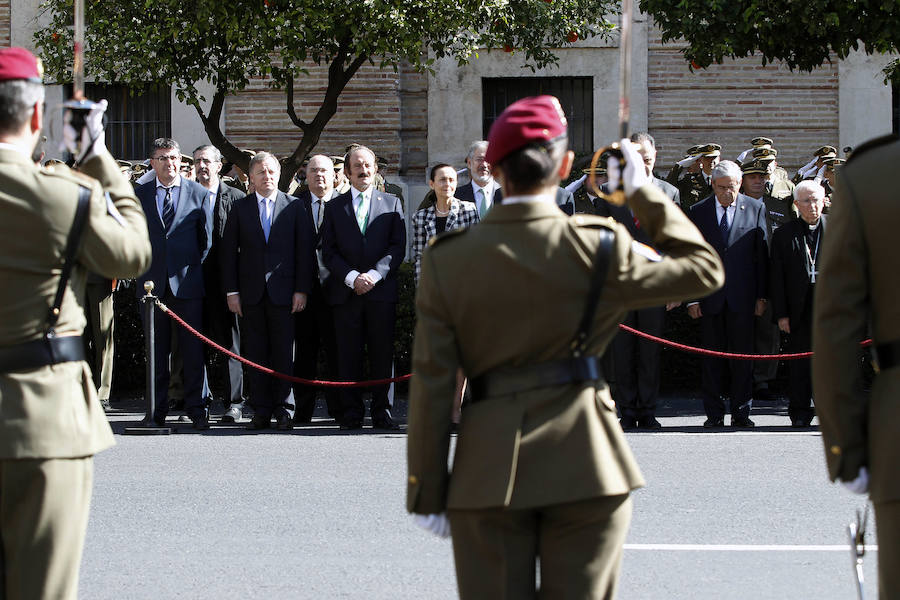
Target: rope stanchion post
{"points": [[148, 426]]}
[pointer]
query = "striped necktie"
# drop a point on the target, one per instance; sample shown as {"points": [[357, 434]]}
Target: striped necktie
{"points": [[168, 214]]}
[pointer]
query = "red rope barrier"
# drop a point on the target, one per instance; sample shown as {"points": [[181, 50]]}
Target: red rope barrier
{"points": [[374, 382], [272, 372], [705, 352]]}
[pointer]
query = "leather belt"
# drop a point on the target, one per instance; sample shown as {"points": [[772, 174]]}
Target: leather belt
{"points": [[40, 353], [532, 377], [888, 355]]}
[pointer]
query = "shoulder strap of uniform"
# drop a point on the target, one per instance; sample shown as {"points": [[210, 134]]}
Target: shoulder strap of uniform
{"points": [[72, 242], [601, 266]]}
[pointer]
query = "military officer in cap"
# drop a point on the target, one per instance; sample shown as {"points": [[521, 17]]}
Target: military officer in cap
{"points": [[812, 168], [55, 227], [858, 294], [542, 470], [832, 165], [585, 200]]}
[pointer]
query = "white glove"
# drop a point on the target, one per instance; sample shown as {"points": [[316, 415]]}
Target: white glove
{"points": [[686, 162], [434, 523], [743, 155], [634, 176], [860, 485], [804, 170], [820, 175], [576, 184], [90, 141]]}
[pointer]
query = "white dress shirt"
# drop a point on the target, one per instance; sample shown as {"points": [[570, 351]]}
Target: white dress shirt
{"points": [[357, 197]]}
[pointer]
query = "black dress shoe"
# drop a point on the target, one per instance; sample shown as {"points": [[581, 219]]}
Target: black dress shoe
{"points": [[284, 422], [159, 420], [628, 423], [742, 423], [649, 423], [385, 423], [351, 425], [259, 422], [201, 423], [800, 423], [712, 422]]}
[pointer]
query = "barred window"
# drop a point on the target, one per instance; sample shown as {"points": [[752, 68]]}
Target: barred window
{"points": [[135, 119], [576, 94]]}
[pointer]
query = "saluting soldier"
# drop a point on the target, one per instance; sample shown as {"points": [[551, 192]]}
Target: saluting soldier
{"points": [[858, 292], [542, 469], [55, 226]]}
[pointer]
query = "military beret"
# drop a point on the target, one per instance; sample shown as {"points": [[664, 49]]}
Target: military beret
{"points": [[758, 142], [529, 120], [709, 150], [826, 152], [19, 63]]}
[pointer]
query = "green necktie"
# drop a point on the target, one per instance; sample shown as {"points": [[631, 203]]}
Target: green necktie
{"points": [[362, 213], [481, 202]]}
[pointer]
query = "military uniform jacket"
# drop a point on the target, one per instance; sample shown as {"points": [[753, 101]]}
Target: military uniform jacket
{"points": [[858, 293], [52, 411], [527, 269]]}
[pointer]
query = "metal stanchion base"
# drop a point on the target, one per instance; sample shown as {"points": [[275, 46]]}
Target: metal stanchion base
{"points": [[147, 427]]}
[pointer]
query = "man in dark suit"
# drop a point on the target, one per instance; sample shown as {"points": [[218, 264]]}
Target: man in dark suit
{"points": [[315, 325], [483, 190], [636, 360], [795, 256], [267, 269], [363, 244], [735, 225], [220, 323], [180, 231]]}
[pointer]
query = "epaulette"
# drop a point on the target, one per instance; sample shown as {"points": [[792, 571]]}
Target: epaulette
{"points": [[871, 144], [592, 221], [447, 235]]}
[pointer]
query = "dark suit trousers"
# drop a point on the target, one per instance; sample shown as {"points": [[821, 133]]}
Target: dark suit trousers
{"points": [[223, 327], [191, 310], [315, 330], [799, 374], [268, 340], [731, 332], [360, 323], [767, 340], [637, 364]]}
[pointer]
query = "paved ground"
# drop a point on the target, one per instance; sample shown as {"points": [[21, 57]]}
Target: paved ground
{"points": [[315, 513]]}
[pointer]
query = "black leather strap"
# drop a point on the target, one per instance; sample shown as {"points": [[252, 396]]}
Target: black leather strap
{"points": [[888, 355], [72, 243], [601, 266], [40, 353], [532, 377]]}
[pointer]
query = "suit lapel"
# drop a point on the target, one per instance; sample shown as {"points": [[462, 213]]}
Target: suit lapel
{"points": [[184, 197], [376, 207], [147, 195]]}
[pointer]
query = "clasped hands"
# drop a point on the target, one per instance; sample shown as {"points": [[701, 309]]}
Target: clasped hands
{"points": [[363, 284]]}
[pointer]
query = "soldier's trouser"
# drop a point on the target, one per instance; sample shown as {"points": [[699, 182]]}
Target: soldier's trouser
{"points": [[579, 545], [887, 519], [44, 506]]}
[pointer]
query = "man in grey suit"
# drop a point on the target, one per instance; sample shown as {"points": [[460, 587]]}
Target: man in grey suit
{"points": [[363, 244], [220, 323], [267, 269], [735, 225], [180, 230]]}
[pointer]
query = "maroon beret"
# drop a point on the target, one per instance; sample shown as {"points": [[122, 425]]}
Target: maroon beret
{"points": [[534, 119], [19, 63]]}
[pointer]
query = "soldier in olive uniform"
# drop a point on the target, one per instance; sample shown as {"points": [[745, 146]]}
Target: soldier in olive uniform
{"points": [[858, 293], [51, 423], [542, 469]]}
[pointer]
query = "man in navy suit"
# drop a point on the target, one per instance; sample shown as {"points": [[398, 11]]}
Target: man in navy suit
{"points": [[267, 270], [315, 325], [363, 244], [180, 228], [735, 225]]}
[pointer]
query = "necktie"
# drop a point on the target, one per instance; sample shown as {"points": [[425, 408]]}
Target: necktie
{"points": [[362, 213], [264, 218], [168, 214], [321, 215], [723, 224], [479, 201]]}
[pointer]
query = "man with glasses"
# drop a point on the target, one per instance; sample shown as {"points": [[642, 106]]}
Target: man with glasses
{"points": [[180, 228]]}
